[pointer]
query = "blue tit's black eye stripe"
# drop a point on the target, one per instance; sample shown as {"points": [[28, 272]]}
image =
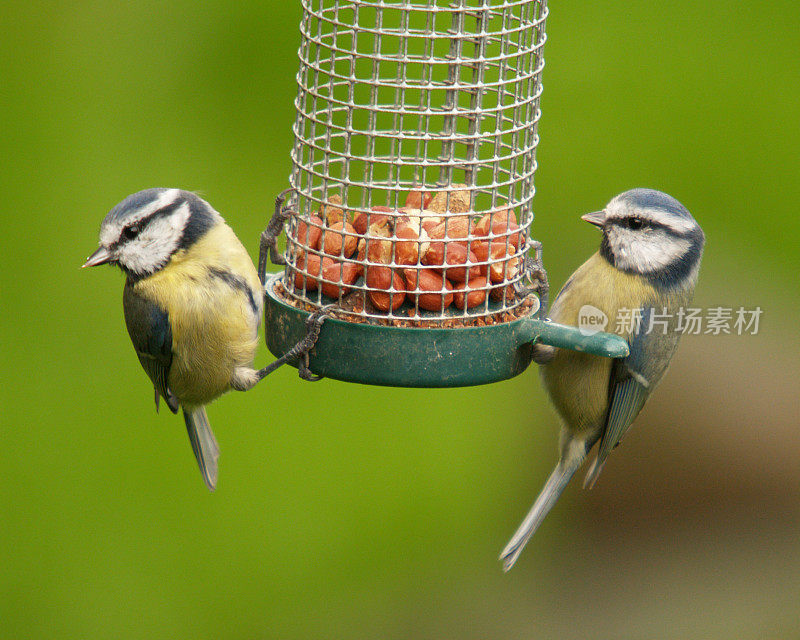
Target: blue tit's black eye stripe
{"points": [[161, 213], [235, 282], [132, 231]]}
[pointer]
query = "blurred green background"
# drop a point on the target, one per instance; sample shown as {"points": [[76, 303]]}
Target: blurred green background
{"points": [[357, 512]]}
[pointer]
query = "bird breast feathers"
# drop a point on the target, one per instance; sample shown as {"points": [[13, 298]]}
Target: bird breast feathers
{"points": [[214, 324], [599, 284]]}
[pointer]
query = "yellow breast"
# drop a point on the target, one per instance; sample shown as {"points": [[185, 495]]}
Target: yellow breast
{"points": [[214, 325], [578, 382]]}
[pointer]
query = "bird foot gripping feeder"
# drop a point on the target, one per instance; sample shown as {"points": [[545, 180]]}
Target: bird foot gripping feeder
{"points": [[409, 214]]}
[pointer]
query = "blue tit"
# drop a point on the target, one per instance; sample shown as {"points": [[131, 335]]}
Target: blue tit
{"points": [[192, 303], [646, 268]]}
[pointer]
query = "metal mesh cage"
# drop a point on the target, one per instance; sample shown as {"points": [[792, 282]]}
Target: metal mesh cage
{"points": [[414, 156]]}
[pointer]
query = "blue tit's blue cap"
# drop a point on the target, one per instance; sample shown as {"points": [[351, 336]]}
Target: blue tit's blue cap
{"points": [[145, 200], [651, 199]]}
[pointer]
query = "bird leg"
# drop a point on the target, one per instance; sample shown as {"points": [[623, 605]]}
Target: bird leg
{"points": [[313, 327], [302, 348], [268, 246], [535, 274], [542, 353]]}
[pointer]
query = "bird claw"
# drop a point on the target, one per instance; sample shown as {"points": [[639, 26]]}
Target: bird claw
{"points": [[315, 320], [536, 276], [313, 328], [305, 373], [542, 353], [268, 250], [301, 350], [268, 244]]}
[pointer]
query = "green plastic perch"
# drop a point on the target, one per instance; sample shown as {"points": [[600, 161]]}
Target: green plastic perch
{"points": [[426, 357]]}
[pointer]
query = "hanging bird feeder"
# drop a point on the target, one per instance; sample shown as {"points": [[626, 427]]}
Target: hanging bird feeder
{"points": [[408, 219]]}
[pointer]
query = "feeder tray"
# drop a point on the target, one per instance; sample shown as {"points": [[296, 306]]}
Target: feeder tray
{"points": [[412, 176], [424, 357]]}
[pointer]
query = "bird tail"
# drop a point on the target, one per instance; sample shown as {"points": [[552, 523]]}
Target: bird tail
{"points": [[572, 458], [204, 444], [594, 472]]}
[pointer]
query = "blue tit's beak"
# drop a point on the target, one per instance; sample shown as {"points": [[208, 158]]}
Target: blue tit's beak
{"points": [[101, 256], [597, 218]]}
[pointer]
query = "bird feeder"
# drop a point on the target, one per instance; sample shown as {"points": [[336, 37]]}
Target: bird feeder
{"points": [[408, 218]]}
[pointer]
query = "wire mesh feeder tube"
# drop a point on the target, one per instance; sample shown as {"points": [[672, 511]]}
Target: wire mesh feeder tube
{"points": [[412, 183]]}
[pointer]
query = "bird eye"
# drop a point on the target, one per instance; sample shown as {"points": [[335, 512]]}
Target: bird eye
{"points": [[635, 223], [131, 232]]}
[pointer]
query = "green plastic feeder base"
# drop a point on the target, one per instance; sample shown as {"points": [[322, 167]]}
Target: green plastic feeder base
{"points": [[408, 357]]}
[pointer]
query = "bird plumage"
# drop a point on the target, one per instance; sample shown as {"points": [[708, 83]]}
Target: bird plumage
{"points": [[646, 269], [210, 297], [192, 303]]}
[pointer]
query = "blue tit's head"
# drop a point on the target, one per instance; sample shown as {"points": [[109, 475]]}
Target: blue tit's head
{"points": [[143, 231], [649, 233]]}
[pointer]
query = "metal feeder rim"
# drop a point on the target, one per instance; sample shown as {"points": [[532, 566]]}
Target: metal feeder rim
{"points": [[423, 357]]}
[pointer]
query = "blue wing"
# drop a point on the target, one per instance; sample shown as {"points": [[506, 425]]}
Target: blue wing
{"points": [[150, 332], [632, 381]]}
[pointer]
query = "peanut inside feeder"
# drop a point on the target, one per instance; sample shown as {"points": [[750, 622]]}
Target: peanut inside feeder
{"points": [[408, 266], [411, 190]]}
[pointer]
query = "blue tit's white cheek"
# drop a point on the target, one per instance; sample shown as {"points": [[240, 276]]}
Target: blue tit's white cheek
{"points": [[154, 245], [653, 252], [646, 251]]}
